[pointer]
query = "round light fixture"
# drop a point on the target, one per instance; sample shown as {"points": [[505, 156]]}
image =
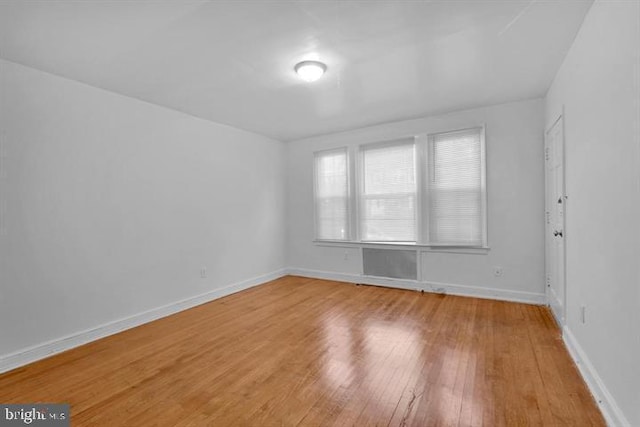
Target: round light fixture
{"points": [[310, 71]]}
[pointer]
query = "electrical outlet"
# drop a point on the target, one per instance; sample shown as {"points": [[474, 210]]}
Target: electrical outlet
{"points": [[346, 255], [497, 271], [203, 273]]}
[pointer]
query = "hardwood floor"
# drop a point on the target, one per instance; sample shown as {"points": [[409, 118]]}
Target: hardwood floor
{"points": [[300, 351]]}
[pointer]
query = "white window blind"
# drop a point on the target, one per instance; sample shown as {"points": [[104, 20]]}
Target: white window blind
{"points": [[456, 188], [332, 195], [388, 192]]}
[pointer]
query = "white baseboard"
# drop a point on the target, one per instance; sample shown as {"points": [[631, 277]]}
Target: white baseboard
{"points": [[41, 351], [436, 287], [610, 410], [556, 307]]}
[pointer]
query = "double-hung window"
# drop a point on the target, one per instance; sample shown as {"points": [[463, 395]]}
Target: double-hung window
{"points": [[428, 190], [388, 196], [456, 193], [332, 195]]}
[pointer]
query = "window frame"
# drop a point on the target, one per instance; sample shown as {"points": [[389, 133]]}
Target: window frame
{"points": [[483, 185], [359, 194], [355, 182], [349, 215]]}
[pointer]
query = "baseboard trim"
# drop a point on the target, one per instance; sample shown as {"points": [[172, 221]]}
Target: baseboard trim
{"points": [[610, 410], [556, 308], [612, 413], [41, 351], [428, 286]]}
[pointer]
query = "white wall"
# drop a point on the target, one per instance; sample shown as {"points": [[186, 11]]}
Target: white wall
{"points": [[599, 87], [515, 182], [113, 205]]}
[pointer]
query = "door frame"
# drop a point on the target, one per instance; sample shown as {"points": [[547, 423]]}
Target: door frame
{"points": [[559, 317]]}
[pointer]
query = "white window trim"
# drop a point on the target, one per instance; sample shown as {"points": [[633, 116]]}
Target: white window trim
{"points": [[355, 168], [401, 245], [483, 186], [421, 201], [348, 232], [360, 185]]}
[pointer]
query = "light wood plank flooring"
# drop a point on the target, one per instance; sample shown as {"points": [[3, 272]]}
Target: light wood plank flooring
{"points": [[308, 352]]}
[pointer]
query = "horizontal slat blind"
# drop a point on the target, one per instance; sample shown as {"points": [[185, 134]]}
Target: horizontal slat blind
{"points": [[388, 192], [455, 188], [332, 195]]}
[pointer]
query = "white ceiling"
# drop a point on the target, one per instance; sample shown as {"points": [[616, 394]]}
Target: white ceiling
{"points": [[232, 62]]}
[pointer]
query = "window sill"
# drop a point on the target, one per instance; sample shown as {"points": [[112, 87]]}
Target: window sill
{"points": [[404, 245]]}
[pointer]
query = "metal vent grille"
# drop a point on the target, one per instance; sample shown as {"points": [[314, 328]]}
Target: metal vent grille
{"points": [[392, 263]]}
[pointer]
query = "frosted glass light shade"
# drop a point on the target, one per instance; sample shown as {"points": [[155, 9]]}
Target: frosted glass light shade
{"points": [[310, 71]]}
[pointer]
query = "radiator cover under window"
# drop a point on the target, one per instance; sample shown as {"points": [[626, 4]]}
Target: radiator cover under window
{"points": [[392, 263]]}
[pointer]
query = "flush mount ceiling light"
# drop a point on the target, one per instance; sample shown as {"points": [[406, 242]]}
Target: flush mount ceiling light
{"points": [[310, 71]]}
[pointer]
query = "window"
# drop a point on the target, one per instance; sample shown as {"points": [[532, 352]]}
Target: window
{"points": [[456, 188], [332, 195], [388, 192], [426, 190]]}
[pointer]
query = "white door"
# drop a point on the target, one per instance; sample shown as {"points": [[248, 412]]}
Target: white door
{"points": [[555, 210]]}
